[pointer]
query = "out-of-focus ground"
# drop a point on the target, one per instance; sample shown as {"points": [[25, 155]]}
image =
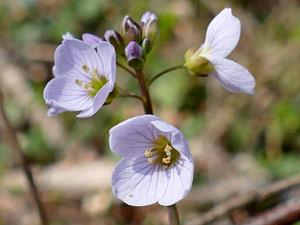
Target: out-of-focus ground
{"points": [[239, 142]]}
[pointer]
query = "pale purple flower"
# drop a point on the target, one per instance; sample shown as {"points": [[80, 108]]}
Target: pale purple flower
{"points": [[84, 77], [222, 36], [157, 164]]}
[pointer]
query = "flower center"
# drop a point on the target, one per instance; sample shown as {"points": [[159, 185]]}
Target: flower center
{"points": [[163, 152], [95, 83]]}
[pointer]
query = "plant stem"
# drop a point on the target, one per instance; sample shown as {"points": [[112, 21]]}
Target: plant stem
{"points": [[165, 72], [144, 91], [127, 69], [173, 215], [172, 210], [15, 146], [128, 93]]}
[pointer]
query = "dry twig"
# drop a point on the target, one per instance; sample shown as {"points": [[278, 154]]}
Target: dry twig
{"points": [[240, 201]]}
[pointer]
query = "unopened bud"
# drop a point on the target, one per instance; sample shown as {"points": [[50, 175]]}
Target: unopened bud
{"points": [[146, 45], [134, 55], [196, 63], [150, 27], [130, 30], [116, 40]]}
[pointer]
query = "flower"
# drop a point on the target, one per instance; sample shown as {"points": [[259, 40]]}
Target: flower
{"points": [[222, 36], [157, 164], [84, 78]]}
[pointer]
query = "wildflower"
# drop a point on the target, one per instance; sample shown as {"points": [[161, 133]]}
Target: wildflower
{"points": [[84, 78], [222, 36], [157, 164]]}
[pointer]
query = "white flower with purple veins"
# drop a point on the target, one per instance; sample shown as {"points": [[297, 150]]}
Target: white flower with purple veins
{"points": [[222, 36], [84, 77], [157, 164]]}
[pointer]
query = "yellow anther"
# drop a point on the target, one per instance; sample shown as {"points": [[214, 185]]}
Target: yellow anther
{"points": [[79, 82], [165, 166], [167, 160], [148, 153], [85, 68], [150, 160], [168, 148]]}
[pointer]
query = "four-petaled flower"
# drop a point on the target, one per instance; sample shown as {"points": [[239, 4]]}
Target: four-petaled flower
{"points": [[157, 164], [222, 36], [84, 77]]}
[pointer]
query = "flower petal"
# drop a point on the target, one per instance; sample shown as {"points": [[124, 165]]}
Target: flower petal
{"points": [[72, 55], [232, 76], [176, 137], [91, 39], [98, 102], [137, 182], [179, 179], [107, 55], [67, 35], [64, 93], [54, 111], [223, 33], [132, 137]]}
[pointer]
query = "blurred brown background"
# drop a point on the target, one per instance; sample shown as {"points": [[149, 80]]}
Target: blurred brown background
{"points": [[239, 142]]}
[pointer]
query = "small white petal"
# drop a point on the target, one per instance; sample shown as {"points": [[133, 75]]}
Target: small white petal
{"points": [[137, 182], [98, 101], [232, 76], [134, 136], [54, 111], [179, 180], [64, 93], [72, 55], [107, 55], [223, 33]]}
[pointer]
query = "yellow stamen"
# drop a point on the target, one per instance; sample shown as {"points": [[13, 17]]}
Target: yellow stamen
{"points": [[130, 195], [168, 148], [79, 82], [85, 68], [166, 160], [165, 166], [148, 153], [150, 160]]}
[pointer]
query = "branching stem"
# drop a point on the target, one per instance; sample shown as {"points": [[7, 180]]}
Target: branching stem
{"points": [[126, 69], [181, 66]]}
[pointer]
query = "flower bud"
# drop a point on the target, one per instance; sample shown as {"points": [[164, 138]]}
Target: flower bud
{"points": [[145, 18], [150, 26], [130, 30], [197, 64], [146, 45], [134, 55], [116, 40]]}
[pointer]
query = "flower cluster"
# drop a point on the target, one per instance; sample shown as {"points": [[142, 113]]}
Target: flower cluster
{"points": [[157, 165]]}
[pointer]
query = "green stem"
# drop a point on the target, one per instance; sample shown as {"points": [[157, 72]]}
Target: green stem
{"points": [[144, 91], [22, 161], [165, 72], [126, 69], [172, 210], [128, 93], [173, 215]]}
